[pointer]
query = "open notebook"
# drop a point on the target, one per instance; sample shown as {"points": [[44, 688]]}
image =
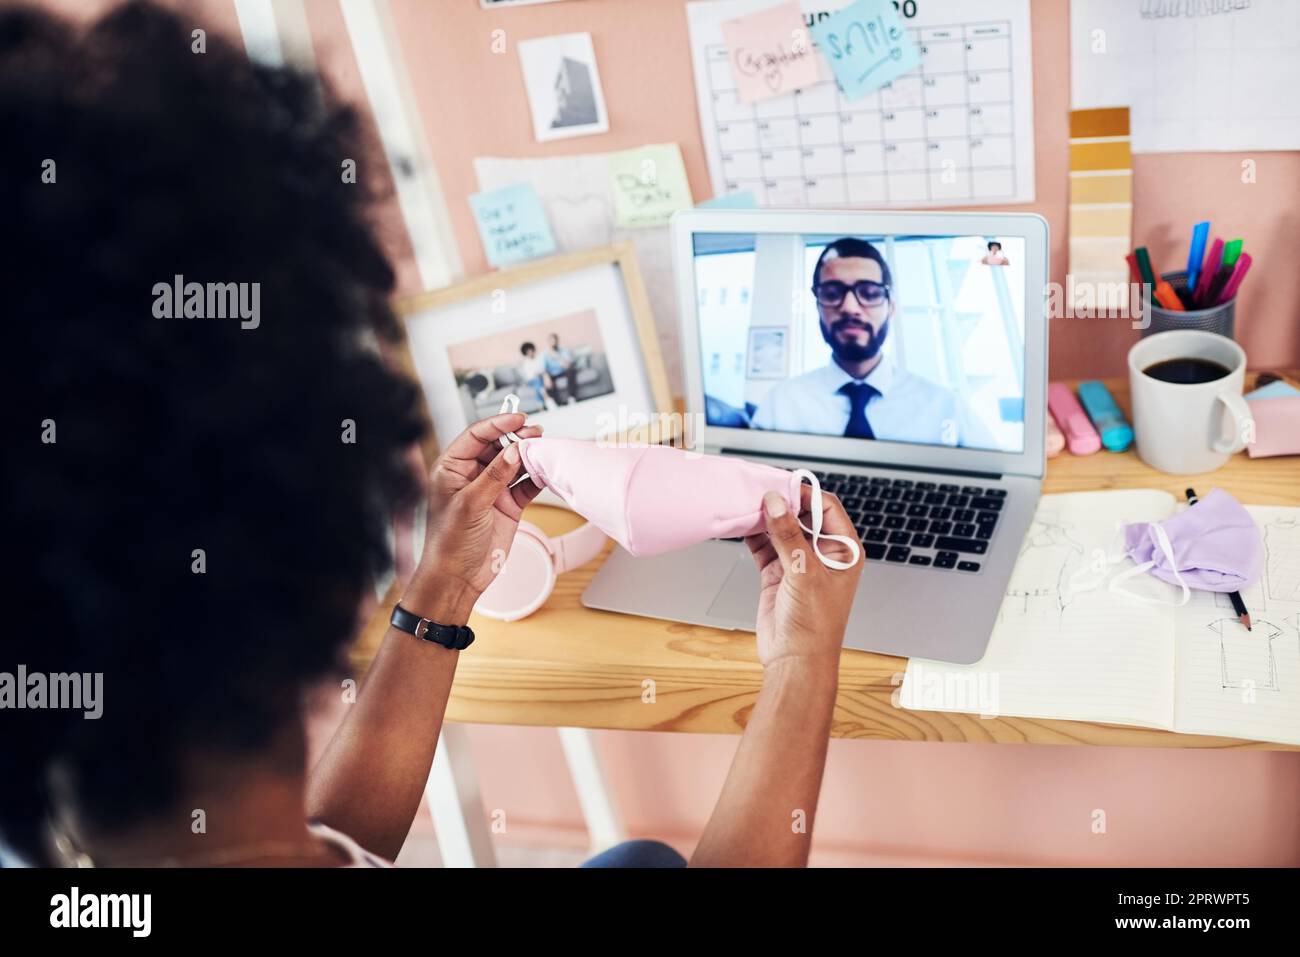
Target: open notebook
{"points": [[1059, 652]]}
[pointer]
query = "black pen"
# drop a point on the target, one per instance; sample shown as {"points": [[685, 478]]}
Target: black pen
{"points": [[1238, 605]]}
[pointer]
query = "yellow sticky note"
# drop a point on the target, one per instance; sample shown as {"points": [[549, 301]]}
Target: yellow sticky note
{"points": [[649, 184]]}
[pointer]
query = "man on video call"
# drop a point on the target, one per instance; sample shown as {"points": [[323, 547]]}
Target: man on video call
{"points": [[862, 394]]}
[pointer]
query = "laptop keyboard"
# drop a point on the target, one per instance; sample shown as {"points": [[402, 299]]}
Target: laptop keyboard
{"points": [[928, 524]]}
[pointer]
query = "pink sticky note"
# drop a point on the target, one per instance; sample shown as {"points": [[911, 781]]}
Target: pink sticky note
{"points": [[771, 52], [1277, 427]]}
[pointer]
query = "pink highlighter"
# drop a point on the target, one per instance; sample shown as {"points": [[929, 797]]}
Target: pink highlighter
{"points": [[1080, 436], [1055, 438]]}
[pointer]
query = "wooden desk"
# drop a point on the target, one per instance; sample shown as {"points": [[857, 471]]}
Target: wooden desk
{"points": [[570, 666]]}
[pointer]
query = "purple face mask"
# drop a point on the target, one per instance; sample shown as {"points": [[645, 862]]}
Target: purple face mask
{"points": [[1214, 546]]}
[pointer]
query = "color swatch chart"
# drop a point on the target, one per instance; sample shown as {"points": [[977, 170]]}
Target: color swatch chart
{"points": [[958, 130], [1101, 198]]}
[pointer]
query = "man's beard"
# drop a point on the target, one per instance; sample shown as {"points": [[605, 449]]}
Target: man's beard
{"points": [[852, 351]]}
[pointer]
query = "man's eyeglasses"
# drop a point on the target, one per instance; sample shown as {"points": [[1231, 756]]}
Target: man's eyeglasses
{"points": [[868, 293]]}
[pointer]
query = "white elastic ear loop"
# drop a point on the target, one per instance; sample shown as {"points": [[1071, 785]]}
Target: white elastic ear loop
{"points": [[1166, 549], [511, 404], [816, 531]]}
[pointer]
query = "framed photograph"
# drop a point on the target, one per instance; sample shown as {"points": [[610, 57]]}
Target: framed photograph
{"points": [[563, 86], [766, 355], [572, 336]]}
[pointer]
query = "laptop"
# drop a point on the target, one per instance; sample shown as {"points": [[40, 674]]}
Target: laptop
{"points": [[902, 358]]}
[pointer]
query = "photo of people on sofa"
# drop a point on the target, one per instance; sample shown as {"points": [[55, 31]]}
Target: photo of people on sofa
{"points": [[548, 364]]}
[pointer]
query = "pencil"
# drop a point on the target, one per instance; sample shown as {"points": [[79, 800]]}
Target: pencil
{"points": [[1238, 605]]}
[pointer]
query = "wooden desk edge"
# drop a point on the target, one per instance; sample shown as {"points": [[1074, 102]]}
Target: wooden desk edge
{"points": [[718, 700]]}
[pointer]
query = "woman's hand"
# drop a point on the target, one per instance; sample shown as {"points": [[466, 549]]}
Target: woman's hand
{"points": [[803, 606], [473, 515]]}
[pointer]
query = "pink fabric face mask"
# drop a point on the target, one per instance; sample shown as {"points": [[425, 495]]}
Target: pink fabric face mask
{"points": [[654, 499], [658, 499], [649, 500]]}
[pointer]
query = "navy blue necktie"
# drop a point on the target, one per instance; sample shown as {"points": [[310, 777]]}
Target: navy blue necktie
{"points": [[859, 394]]}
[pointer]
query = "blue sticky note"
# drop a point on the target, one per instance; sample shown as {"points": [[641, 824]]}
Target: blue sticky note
{"points": [[867, 46], [512, 224], [1274, 390], [1011, 409], [742, 200]]}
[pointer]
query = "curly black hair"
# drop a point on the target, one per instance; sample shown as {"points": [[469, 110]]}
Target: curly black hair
{"points": [[129, 159]]}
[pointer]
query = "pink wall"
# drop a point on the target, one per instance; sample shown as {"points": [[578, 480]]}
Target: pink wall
{"points": [[473, 104], [905, 803]]}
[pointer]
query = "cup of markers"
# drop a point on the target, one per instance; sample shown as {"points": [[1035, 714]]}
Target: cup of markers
{"points": [[1202, 296], [1220, 318]]}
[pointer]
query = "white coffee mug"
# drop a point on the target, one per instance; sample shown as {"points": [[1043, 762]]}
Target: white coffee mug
{"points": [[1182, 428]]}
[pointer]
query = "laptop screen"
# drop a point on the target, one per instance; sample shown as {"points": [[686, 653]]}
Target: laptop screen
{"points": [[901, 338]]}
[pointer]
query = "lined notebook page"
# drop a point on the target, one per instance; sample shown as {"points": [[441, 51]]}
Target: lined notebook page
{"points": [[1059, 652], [1239, 683]]}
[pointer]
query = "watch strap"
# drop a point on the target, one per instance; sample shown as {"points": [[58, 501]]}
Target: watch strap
{"points": [[456, 637]]}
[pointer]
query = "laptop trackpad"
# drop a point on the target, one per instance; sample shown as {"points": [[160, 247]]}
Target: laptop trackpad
{"points": [[738, 599]]}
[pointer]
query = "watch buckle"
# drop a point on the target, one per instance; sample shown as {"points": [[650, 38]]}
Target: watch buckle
{"points": [[422, 627]]}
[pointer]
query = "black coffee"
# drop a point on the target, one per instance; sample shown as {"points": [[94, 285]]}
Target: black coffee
{"points": [[1186, 371]]}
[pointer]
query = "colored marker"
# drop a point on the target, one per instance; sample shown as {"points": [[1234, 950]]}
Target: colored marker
{"points": [[1116, 433], [1080, 436], [1168, 298], [1133, 270], [1231, 252], [1208, 270], [1219, 284], [1200, 232], [1144, 266], [1238, 274]]}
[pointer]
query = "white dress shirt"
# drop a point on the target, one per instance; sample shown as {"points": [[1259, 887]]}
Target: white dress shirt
{"points": [[908, 408]]}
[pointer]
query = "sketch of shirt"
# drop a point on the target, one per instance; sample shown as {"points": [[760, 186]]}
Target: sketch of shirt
{"points": [[1248, 658], [1038, 579]]}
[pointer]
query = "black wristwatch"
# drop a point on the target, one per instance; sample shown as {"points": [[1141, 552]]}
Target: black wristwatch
{"points": [[456, 637]]}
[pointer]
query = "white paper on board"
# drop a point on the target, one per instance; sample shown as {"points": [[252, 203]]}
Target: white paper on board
{"points": [[1196, 75]]}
